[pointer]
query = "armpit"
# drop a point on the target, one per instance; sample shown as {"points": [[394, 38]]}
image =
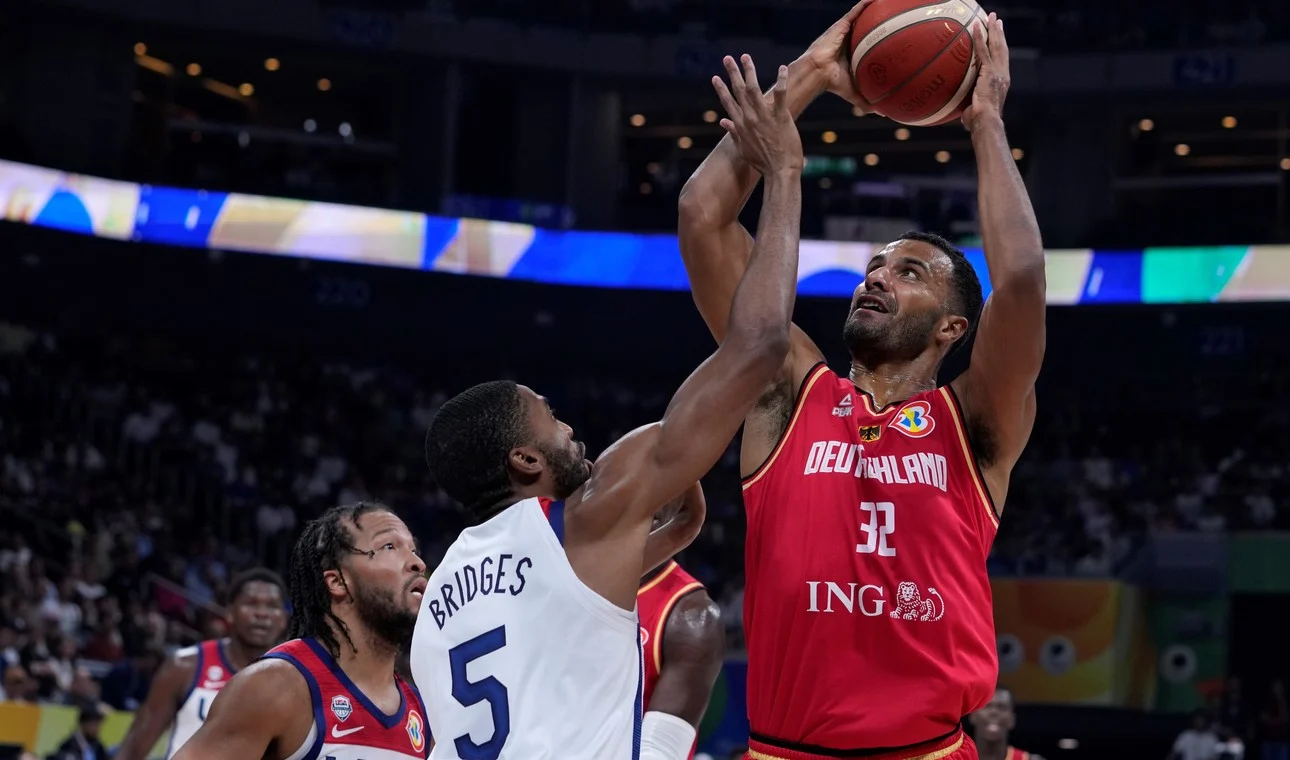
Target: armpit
{"points": [[775, 407]]}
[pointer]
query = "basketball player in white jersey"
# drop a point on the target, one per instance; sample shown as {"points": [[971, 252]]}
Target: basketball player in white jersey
{"points": [[331, 691], [528, 644], [184, 687]]}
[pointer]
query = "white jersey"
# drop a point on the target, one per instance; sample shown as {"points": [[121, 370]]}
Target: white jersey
{"points": [[212, 673], [516, 658]]}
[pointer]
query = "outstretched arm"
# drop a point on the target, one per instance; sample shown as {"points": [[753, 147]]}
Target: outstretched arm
{"points": [[264, 708], [655, 464], [692, 649], [715, 246], [998, 389], [158, 710]]}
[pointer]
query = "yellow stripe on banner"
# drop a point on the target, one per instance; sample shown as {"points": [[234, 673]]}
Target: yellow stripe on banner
{"points": [[975, 475], [1067, 275], [19, 724], [40, 729]]}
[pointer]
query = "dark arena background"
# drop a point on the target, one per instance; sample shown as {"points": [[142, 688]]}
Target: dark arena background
{"points": [[249, 247]]}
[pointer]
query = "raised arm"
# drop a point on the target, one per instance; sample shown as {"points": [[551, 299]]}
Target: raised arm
{"points": [[998, 388], [675, 527], [715, 246], [692, 650], [262, 713], [655, 464], [158, 710]]}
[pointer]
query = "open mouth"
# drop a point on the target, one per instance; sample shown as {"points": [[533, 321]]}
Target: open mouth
{"points": [[871, 303], [418, 587]]}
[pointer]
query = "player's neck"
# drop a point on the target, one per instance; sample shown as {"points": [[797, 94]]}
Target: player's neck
{"points": [[370, 667], [894, 382], [239, 655], [520, 494], [992, 749]]}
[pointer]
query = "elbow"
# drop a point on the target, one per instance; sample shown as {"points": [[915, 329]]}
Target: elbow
{"points": [[693, 210]]}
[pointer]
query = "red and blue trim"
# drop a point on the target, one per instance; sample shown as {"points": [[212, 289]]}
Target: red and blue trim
{"points": [[315, 699], [386, 721], [639, 715], [554, 512]]}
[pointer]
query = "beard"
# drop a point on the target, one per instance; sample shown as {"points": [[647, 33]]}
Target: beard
{"points": [[378, 608], [902, 338], [568, 469]]}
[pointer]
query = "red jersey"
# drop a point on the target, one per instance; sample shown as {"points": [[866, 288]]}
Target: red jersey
{"points": [[347, 725], [1016, 754], [654, 603], [867, 608]]}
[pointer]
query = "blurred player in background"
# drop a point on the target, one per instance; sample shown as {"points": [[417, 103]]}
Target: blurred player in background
{"points": [[356, 585], [528, 646], [184, 687], [991, 726], [873, 497], [684, 644]]}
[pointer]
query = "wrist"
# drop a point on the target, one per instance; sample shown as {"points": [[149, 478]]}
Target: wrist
{"points": [[808, 75], [987, 125], [783, 175]]}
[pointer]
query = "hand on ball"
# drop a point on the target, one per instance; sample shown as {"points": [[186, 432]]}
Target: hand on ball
{"points": [[763, 129], [994, 76], [831, 55]]}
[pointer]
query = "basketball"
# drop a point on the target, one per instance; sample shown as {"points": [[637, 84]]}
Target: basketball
{"points": [[914, 61]]}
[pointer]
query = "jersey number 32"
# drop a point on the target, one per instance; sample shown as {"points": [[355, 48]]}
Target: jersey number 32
{"points": [[878, 523], [488, 690]]}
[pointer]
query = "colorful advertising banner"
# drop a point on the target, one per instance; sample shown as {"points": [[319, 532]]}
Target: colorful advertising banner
{"points": [[41, 728], [1106, 643], [204, 219]]}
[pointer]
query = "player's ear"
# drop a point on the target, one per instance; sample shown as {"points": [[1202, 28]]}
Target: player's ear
{"points": [[526, 463], [952, 328], [335, 582]]}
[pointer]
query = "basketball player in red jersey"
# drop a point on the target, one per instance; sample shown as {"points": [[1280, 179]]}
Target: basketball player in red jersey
{"points": [[991, 726], [684, 645], [356, 586], [184, 687], [873, 497]]}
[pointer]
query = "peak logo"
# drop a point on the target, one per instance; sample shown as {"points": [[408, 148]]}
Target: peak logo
{"points": [[844, 407]]}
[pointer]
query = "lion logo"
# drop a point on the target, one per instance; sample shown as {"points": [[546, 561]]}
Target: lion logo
{"points": [[910, 604]]}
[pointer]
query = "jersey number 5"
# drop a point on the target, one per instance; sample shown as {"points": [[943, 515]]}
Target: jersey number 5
{"points": [[880, 523], [488, 690]]}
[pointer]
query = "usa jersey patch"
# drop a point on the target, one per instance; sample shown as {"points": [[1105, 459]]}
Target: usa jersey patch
{"points": [[341, 707]]}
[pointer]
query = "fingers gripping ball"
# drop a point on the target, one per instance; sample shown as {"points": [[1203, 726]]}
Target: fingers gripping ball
{"points": [[914, 61]]}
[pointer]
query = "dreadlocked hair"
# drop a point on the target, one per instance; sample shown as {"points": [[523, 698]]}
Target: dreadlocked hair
{"points": [[321, 547]]}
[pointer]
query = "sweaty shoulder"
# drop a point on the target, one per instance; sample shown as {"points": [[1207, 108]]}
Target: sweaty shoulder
{"points": [[185, 658], [183, 661], [177, 674], [768, 425], [265, 711], [273, 685]]}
